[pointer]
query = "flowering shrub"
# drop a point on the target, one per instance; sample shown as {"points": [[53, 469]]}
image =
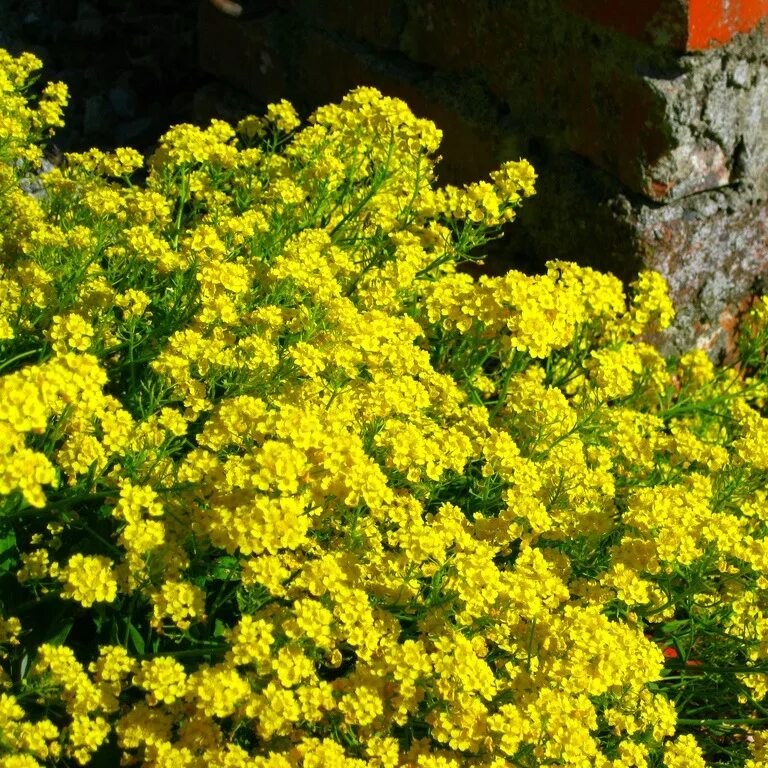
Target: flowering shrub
{"points": [[280, 486]]}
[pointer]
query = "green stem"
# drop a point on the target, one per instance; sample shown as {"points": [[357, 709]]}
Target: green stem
{"points": [[503, 393], [20, 356], [192, 653], [111, 547], [182, 202], [49, 598], [761, 670], [375, 187], [29, 511], [725, 721], [131, 360], [218, 600]]}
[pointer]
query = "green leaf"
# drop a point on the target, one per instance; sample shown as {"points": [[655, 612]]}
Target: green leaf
{"points": [[223, 567], [60, 635], [7, 552], [138, 640], [219, 628]]}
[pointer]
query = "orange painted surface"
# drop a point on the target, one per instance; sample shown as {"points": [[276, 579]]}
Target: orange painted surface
{"points": [[714, 22], [685, 24]]}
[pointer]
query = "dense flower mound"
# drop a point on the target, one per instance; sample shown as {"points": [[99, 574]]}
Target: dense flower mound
{"points": [[281, 487]]}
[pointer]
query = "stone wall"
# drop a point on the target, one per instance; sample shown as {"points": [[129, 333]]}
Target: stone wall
{"points": [[647, 122]]}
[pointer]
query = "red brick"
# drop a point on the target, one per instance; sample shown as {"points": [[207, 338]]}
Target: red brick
{"points": [[327, 72], [241, 52], [380, 29], [598, 107], [323, 71], [655, 21], [612, 117], [444, 34]]}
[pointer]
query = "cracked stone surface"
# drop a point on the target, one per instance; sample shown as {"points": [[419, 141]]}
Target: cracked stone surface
{"points": [[713, 250], [717, 114]]}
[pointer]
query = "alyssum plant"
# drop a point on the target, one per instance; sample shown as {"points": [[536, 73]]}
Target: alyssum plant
{"points": [[280, 486]]}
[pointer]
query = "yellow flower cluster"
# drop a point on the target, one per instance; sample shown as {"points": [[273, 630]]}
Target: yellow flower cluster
{"points": [[329, 500], [88, 580]]}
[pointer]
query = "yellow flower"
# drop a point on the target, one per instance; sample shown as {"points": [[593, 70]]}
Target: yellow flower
{"points": [[85, 736], [180, 601], [683, 752], [163, 678], [362, 702], [292, 665], [89, 579], [751, 447], [216, 691], [615, 371], [19, 761], [113, 666], [275, 710], [250, 642], [311, 619], [283, 115], [651, 309], [79, 453], [122, 162]]}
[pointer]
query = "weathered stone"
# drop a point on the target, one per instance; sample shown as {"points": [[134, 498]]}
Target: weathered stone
{"points": [[128, 132], [646, 118], [321, 69], [713, 249], [33, 184], [652, 132], [123, 101], [146, 47], [618, 123], [586, 96], [741, 75], [689, 168], [718, 129]]}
